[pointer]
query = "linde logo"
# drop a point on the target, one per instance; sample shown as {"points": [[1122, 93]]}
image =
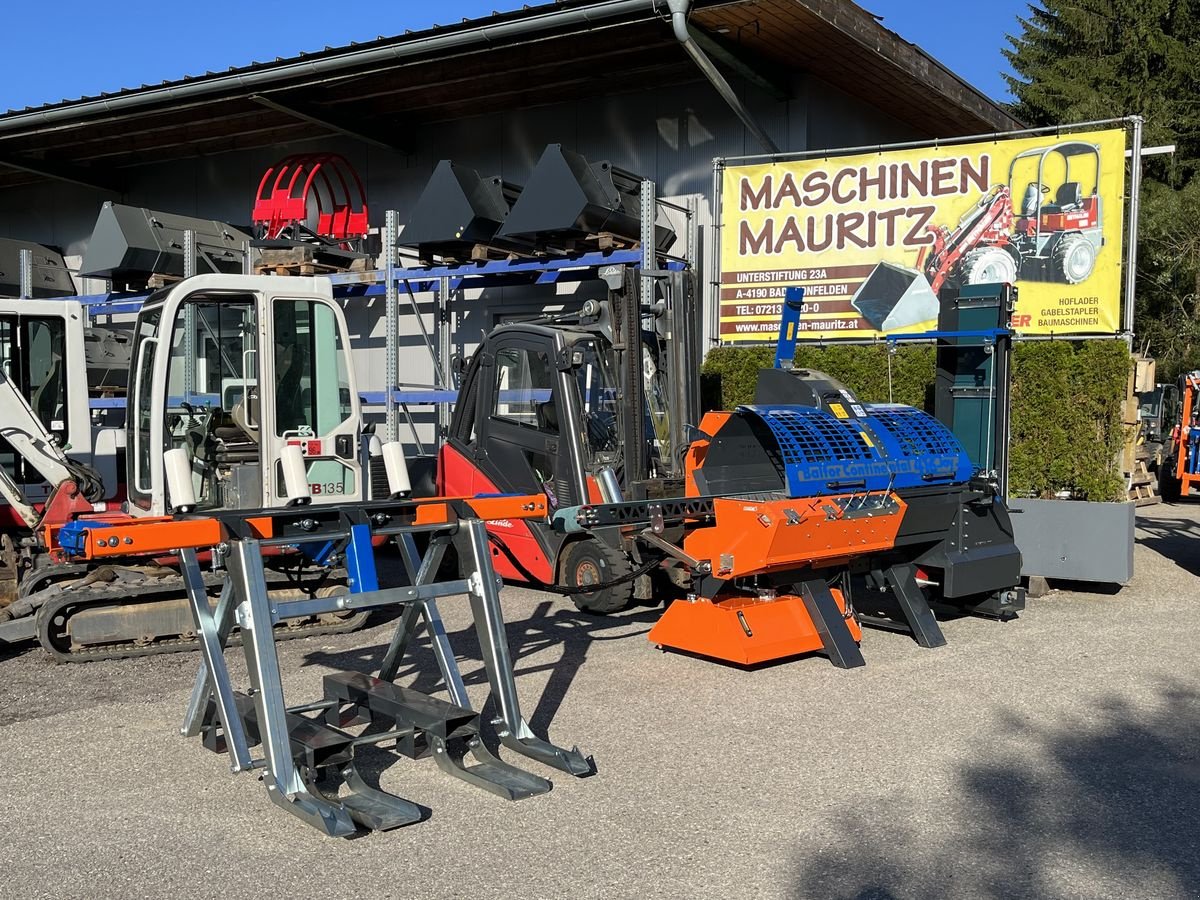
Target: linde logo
{"points": [[921, 465], [501, 523]]}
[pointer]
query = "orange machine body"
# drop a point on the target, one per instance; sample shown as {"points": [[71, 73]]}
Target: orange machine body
{"points": [[785, 539], [745, 630], [123, 535], [1187, 480], [765, 536]]}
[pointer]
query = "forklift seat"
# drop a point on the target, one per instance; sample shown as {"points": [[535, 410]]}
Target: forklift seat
{"points": [[547, 417], [1068, 198]]}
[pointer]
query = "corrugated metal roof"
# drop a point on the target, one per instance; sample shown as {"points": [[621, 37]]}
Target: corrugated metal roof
{"points": [[380, 91], [526, 11]]}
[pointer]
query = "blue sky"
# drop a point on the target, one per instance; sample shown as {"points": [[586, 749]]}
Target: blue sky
{"points": [[76, 47]]}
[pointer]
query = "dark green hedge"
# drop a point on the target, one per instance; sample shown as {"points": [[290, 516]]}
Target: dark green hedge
{"points": [[1067, 399]]}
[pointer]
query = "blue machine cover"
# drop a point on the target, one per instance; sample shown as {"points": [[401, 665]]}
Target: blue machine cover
{"points": [[891, 445]]}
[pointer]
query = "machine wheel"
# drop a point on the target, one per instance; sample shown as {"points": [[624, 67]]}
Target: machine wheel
{"points": [[1073, 259], [989, 265], [1170, 488], [591, 562]]}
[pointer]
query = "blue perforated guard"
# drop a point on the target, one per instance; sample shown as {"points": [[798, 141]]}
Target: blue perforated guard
{"points": [[893, 445], [920, 449]]}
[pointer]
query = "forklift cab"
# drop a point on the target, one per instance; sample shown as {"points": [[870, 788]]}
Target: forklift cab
{"points": [[232, 369], [537, 411]]}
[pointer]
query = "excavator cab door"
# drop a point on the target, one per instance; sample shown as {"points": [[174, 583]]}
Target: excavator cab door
{"points": [[33, 357]]}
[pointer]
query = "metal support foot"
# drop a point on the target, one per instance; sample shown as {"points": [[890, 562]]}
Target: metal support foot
{"points": [[924, 627], [830, 622]]}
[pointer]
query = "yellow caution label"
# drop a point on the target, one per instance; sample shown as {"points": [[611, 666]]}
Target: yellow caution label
{"points": [[838, 410], [866, 437]]}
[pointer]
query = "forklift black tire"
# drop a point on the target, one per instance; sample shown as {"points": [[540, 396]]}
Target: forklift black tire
{"points": [[1170, 489], [591, 562]]}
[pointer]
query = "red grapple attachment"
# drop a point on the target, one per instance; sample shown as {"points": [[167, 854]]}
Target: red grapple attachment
{"points": [[315, 193]]}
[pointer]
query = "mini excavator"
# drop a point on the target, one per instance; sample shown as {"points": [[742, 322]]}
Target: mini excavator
{"points": [[240, 392]]}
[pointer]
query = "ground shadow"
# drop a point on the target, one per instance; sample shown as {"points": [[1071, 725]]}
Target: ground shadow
{"points": [[553, 624], [1106, 806], [1175, 539]]}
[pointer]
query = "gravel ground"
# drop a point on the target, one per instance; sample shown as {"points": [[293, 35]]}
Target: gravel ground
{"points": [[1053, 756]]}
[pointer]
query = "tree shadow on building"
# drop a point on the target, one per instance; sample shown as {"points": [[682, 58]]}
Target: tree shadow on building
{"points": [[1105, 806]]}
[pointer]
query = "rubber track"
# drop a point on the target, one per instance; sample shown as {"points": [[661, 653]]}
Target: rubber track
{"points": [[99, 593]]}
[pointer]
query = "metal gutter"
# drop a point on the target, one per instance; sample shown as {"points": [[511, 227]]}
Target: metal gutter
{"points": [[252, 82], [679, 13]]}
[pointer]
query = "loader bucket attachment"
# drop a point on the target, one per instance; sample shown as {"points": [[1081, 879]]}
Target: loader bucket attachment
{"points": [[568, 199], [895, 297], [319, 194], [130, 244], [458, 211], [50, 276]]}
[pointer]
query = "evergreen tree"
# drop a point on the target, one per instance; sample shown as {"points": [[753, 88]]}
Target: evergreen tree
{"points": [[1080, 60]]}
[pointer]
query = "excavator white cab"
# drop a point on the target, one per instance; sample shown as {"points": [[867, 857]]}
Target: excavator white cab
{"points": [[46, 426], [242, 396]]}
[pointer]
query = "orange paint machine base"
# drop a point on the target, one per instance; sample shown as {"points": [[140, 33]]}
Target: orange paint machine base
{"points": [[748, 630]]}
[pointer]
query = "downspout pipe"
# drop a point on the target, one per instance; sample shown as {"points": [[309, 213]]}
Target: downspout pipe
{"points": [[679, 15]]}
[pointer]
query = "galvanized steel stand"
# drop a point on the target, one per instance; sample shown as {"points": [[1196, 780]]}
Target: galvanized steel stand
{"points": [[308, 763]]}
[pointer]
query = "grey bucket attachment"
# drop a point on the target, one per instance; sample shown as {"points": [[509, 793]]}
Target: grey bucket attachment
{"points": [[895, 297], [458, 211], [108, 352], [568, 198], [50, 276], [130, 244]]}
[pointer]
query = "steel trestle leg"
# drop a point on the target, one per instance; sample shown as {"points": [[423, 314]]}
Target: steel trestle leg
{"points": [[212, 679], [925, 629], [256, 620], [493, 644]]}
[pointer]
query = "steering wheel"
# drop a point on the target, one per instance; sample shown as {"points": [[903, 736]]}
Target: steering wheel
{"points": [[1045, 189]]}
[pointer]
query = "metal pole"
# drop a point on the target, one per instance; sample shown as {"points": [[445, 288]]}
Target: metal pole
{"points": [[392, 309], [1131, 248], [649, 208], [442, 326], [189, 318], [937, 142], [26, 290], [714, 254]]}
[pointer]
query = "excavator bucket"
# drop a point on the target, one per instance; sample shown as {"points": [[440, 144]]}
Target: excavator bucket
{"points": [[895, 297], [50, 275], [130, 244], [568, 198], [458, 211]]}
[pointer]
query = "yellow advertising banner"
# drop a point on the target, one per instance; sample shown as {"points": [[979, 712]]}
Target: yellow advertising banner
{"points": [[878, 241]]}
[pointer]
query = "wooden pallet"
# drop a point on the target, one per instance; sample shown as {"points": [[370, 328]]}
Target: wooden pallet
{"points": [[156, 281], [303, 268], [1143, 489], [303, 260]]}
